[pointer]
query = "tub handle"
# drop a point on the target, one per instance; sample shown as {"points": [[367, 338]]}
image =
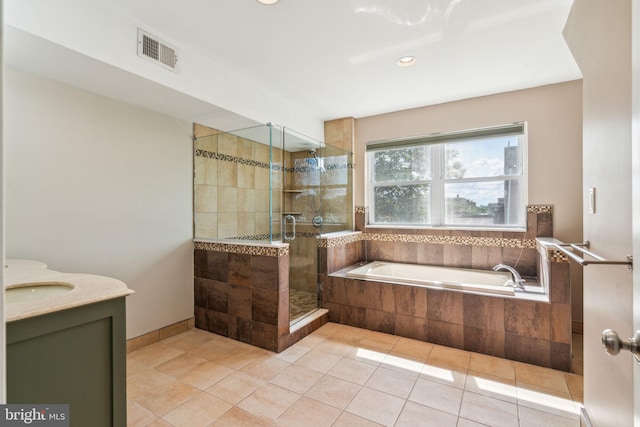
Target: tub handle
{"points": [[569, 249], [292, 219]]}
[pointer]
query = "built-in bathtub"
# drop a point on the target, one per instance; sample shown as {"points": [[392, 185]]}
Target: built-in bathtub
{"points": [[497, 283]]}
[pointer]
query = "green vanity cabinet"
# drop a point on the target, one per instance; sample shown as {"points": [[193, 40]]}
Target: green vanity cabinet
{"points": [[75, 356]]}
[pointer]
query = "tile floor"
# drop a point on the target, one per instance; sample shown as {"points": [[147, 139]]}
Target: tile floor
{"points": [[341, 376]]}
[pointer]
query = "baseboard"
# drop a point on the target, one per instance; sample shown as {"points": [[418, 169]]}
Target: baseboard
{"points": [[577, 328], [158, 335], [584, 418]]}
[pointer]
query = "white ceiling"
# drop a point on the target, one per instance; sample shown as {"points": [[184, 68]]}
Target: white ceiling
{"points": [[337, 58]]}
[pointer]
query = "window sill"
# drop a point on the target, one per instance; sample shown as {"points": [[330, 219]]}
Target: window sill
{"points": [[446, 228]]}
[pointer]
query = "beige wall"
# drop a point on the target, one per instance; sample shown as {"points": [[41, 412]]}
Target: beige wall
{"points": [[599, 35], [554, 117], [94, 185]]}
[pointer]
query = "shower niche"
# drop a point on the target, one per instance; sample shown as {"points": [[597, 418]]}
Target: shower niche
{"points": [[264, 191]]}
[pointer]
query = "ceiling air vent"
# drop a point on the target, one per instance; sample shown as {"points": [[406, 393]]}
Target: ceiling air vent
{"points": [[154, 49]]}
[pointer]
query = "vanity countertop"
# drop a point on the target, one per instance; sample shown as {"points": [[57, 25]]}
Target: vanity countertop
{"points": [[87, 289]]}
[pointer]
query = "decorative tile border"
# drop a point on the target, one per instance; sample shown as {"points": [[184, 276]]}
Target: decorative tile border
{"points": [[451, 240], [540, 209], [361, 209], [557, 256], [500, 242], [277, 167], [242, 249], [330, 242]]}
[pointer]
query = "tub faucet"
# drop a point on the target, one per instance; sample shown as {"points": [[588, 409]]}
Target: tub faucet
{"points": [[518, 282]]}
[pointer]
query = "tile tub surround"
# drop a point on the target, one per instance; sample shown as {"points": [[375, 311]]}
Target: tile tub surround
{"points": [[242, 292], [527, 331]]}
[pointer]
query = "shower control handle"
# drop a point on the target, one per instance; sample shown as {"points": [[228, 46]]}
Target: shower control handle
{"points": [[612, 343], [292, 219]]}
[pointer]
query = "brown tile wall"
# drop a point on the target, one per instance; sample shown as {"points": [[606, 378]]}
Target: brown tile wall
{"points": [[245, 297], [532, 332]]}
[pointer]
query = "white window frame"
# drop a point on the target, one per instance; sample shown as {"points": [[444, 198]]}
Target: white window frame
{"points": [[437, 181]]}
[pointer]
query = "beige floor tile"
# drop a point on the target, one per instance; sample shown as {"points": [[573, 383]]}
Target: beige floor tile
{"points": [[155, 354], [351, 420], [312, 340], [541, 377], [547, 401], [240, 357], [366, 355], [309, 413], [533, 418], [158, 422], [352, 370], [335, 346], [350, 333], [167, 397], [237, 417], [188, 340], [297, 378], [178, 366], [436, 395], [376, 406], [145, 382], [199, 411], [329, 367], [489, 411], [293, 353], [379, 341], [235, 387], [389, 381], [402, 363], [269, 401], [463, 422], [135, 367], [265, 368], [490, 386], [214, 349], [333, 391], [414, 414], [447, 375], [318, 360], [205, 375], [447, 356], [575, 383], [137, 416], [415, 348], [494, 366]]}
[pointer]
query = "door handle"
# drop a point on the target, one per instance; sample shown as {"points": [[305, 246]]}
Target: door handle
{"points": [[612, 343], [292, 219]]}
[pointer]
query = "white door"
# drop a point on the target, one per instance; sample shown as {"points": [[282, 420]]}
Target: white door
{"points": [[600, 35]]}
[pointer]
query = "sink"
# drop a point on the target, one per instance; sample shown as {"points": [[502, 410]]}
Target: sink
{"points": [[34, 291]]}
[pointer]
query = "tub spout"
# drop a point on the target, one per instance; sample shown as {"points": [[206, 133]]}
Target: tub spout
{"points": [[518, 282]]}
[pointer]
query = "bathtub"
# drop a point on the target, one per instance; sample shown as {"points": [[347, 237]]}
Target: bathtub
{"points": [[462, 279]]}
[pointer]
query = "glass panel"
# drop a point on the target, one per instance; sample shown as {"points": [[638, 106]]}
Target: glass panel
{"points": [[482, 203], [402, 204], [483, 158], [402, 165], [236, 187]]}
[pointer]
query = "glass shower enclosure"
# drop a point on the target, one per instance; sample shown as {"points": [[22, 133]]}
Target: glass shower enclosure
{"points": [[271, 185]]}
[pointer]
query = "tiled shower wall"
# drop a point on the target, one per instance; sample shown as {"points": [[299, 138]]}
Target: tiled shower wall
{"points": [[242, 292], [528, 331], [232, 186]]}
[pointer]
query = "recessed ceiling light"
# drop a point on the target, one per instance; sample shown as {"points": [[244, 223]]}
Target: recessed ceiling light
{"points": [[267, 1], [406, 61]]}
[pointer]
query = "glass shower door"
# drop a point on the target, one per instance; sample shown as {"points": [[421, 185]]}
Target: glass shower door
{"points": [[302, 220]]}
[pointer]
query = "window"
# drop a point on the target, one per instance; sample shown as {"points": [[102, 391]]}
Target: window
{"points": [[473, 178]]}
